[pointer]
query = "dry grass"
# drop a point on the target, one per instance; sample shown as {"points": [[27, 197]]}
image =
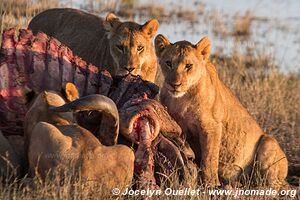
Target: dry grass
{"points": [[242, 26], [155, 11], [271, 96], [21, 8], [17, 13], [75, 188], [187, 15], [217, 19]]}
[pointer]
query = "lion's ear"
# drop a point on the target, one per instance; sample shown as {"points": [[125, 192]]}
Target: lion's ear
{"points": [[161, 42], [150, 27], [204, 46], [71, 92], [111, 22]]}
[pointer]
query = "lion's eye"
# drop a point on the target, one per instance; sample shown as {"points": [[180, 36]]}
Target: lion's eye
{"points": [[120, 47], [188, 66], [140, 48], [169, 64]]}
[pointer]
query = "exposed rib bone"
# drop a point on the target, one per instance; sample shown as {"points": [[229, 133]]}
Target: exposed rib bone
{"points": [[36, 63]]}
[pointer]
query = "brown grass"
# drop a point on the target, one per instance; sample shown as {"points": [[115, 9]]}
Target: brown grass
{"points": [[242, 25], [217, 19], [17, 13], [155, 11], [70, 188], [271, 96]]}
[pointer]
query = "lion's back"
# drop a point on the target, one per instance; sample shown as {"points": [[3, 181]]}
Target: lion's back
{"points": [[82, 32]]}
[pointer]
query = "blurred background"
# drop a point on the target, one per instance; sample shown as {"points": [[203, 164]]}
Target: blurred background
{"points": [[266, 27]]}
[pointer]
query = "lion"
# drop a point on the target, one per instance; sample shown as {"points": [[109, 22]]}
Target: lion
{"points": [[55, 142], [226, 139], [119, 47]]}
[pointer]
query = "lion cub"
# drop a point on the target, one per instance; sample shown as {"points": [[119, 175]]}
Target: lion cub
{"points": [[119, 47], [224, 136]]}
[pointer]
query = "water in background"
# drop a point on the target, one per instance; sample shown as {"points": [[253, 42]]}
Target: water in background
{"points": [[273, 24]]}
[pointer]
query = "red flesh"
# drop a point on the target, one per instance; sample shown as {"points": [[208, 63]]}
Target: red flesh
{"points": [[144, 156], [37, 63], [138, 128]]}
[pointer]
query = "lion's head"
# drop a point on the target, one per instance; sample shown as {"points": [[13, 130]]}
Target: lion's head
{"points": [[39, 110], [131, 44], [182, 63]]}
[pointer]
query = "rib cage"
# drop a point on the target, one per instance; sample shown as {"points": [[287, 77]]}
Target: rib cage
{"points": [[37, 63]]}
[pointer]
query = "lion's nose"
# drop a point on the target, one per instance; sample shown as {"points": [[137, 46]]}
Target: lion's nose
{"points": [[175, 85], [129, 69]]}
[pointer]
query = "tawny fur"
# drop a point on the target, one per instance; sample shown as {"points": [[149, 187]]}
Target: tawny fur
{"points": [[224, 136], [107, 43], [55, 142]]}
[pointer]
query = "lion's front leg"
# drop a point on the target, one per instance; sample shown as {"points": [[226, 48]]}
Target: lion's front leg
{"points": [[210, 140]]}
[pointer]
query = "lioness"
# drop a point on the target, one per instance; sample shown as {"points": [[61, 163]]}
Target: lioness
{"points": [[55, 141], [119, 47], [224, 136]]}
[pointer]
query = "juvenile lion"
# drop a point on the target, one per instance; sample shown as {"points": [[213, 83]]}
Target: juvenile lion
{"points": [[56, 142], [119, 47], [224, 136]]}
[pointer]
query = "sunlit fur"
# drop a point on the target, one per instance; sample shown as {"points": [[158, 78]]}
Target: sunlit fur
{"points": [[96, 39], [226, 139], [130, 36]]}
